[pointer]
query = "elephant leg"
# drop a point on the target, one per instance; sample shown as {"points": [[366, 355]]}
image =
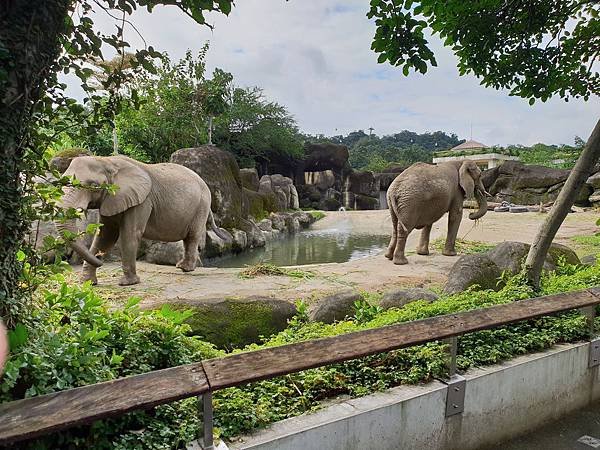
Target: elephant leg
{"points": [[402, 234], [132, 228], [190, 255], [454, 218], [194, 240], [423, 247], [389, 254], [103, 242]]}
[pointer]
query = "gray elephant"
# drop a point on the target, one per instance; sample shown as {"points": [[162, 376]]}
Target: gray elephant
{"points": [[163, 202], [422, 194]]}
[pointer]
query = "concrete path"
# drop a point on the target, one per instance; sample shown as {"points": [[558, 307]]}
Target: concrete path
{"points": [[577, 431]]}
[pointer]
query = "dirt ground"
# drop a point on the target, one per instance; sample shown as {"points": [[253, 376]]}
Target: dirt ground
{"points": [[160, 284]]}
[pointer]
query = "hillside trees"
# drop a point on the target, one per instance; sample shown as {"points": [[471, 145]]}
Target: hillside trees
{"points": [[535, 49]]}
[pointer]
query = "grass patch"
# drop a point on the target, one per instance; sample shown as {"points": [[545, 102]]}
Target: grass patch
{"points": [[463, 247], [586, 245], [264, 269], [317, 215]]}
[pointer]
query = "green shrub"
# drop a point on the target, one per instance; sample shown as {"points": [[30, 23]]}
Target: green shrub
{"points": [[74, 340]]}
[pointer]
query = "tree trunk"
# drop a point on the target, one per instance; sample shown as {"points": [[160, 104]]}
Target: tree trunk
{"points": [[115, 141], [210, 125], [29, 39], [580, 173]]}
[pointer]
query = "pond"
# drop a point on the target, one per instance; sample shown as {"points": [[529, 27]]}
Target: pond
{"points": [[308, 247]]}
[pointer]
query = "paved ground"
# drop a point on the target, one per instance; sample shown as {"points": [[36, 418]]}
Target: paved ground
{"points": [[577, 431], [375, 273]]}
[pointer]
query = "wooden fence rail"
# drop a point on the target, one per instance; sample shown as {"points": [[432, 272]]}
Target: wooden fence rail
{"points": [[37, 416]]}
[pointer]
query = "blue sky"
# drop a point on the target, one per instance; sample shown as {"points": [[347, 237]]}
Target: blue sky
{"points": [[314, 57]]}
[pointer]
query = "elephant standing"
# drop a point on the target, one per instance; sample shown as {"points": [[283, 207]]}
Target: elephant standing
{"points": [[163, 202], [422, 194]]}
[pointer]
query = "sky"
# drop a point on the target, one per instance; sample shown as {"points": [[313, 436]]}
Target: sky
{"points": [[314, 57]]}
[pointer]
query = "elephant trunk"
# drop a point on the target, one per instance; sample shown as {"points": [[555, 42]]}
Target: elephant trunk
{"points": [[482, 202], [70, 200], [77, 245]]}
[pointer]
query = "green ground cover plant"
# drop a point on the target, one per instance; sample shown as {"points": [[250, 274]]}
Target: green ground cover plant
{"points": [[72, 339]]}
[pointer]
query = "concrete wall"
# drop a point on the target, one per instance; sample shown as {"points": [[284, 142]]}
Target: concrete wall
{"points": [[500, 402]]}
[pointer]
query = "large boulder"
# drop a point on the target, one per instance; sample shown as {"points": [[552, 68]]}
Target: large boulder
{"points": [[362, 183], [321, 157], [164, 253], [485, 269], [236, 322], [220, 171], [365, 202], [528, 184], [397, 298], [476, 269], [250, 179], [321, 180], [334, 307], [282, 188]]}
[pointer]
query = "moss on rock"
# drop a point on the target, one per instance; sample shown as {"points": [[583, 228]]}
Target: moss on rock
{"points": [[234, 322]]}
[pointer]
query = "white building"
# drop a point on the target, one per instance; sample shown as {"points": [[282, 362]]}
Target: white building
{"points": [[484, 156]]}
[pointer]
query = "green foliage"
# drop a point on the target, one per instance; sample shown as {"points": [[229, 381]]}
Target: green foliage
{"points": [[546, 49], [560, 157], [364, 311], [405, 148], [256, 129], [587, 245], [239, 410], [170, 114], [72, 340]]}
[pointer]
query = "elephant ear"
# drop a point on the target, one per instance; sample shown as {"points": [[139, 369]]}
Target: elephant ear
{"points": [[134, 186], [466, 180]]}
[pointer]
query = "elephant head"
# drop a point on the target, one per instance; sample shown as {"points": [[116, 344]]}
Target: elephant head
{"points": [[92, 172], [469, 178]]}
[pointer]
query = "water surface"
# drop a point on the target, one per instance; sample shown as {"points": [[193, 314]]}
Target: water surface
{"points": [[309, 247]]}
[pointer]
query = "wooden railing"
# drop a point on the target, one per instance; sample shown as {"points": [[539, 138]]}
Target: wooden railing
{"points": [[37, 416]]}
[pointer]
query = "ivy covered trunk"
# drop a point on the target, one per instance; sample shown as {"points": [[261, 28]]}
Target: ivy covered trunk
{"points": [[580, 173], [30, 32]]}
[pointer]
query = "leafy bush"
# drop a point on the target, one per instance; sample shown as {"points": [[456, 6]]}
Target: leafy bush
{"points": [[72, 340]]}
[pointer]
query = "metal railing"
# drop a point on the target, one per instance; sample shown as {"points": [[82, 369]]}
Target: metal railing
{"points": [[37, 416]]}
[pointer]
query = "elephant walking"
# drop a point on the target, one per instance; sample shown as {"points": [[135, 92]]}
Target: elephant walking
{"points": [[163, 202], [422, 194]]}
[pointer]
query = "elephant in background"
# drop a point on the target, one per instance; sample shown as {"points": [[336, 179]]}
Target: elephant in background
{"points": [[163, 202], [422, 194]]}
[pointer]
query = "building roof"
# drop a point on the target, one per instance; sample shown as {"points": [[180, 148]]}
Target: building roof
{"points": [[468, 145]]}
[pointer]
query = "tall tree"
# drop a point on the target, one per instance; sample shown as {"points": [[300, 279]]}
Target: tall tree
{"points": [[39, 39], [534, 48]]}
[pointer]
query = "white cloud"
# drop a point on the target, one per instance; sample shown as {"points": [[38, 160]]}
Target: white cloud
{"points": [[314, 57]]}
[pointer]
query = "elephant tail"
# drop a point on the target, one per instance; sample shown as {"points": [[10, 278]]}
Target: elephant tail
{"points": [[215, 228]]}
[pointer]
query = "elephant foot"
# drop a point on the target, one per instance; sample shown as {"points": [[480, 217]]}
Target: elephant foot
{"points": [[129, 280], [389, 256], [400, 260], [449, 253], [89, 277], [423, 251], [186, 267]]}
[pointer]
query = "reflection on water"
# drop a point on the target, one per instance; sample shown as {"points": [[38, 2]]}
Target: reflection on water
{"points": [[309, 247]]}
